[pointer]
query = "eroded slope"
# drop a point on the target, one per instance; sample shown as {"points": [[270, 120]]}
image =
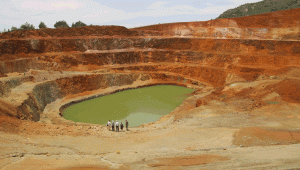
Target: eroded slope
{"points": [[245, 72]]}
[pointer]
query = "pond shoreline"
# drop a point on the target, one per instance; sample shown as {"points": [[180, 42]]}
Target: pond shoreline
{"points": [[161, 95]]}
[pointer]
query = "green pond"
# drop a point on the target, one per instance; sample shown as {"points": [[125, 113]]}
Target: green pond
{"points": [[138, 106]]}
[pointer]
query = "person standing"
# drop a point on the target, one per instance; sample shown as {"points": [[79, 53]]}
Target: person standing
{"points": [[108, 125], [126, 122], [112, 125], [117, 126], [121, 125]]}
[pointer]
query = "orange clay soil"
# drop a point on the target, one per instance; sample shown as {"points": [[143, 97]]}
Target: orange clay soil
{"points": [[243, 114], [258, 136], [187, 160], [278, 19]]}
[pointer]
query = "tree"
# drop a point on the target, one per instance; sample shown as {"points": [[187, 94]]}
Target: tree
{"points": [[42, 25], [27, 26], [61, 24], [78, 24], [13, 28]]}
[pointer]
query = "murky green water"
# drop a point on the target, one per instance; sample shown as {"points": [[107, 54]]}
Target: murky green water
{"points": [[138, 106]]}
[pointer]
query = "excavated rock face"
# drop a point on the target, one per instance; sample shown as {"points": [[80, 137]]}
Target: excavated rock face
{"points": [[280, 25], [49, 64]]}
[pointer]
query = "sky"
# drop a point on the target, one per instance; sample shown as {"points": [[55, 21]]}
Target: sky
{"points": [[130, 13]]}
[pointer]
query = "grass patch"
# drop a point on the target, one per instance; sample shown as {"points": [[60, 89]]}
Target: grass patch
{"points": [[272, 102]]}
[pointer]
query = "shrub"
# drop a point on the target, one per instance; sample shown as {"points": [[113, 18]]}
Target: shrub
{"points": [[42, 25], [27, 26], [61, 24], [13, 29], [78, 24]]}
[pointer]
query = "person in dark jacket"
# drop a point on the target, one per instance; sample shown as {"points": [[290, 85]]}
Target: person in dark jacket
{"points": [[126, 122], [112, 125], [121, 125]]}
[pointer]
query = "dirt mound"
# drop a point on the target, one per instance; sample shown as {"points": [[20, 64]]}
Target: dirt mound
{"points": [[188, 160], [255, 136], [84, 168], [7, 109], [70, 32], [288, 89], [9, 124], [201, 102]]}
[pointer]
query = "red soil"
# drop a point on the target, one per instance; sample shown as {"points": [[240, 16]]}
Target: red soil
{"points": [[260, 137], [278, 19], [70, 32], [187, 161]]}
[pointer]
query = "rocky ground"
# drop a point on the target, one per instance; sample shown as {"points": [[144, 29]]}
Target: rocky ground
{"points": [[243, 114], [218, 134]]}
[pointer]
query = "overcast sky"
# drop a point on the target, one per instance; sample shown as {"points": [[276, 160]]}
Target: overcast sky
{"points": [[130, 13]]}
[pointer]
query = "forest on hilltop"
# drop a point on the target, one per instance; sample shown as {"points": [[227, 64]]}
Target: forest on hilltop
{"points": [[260, 8]]}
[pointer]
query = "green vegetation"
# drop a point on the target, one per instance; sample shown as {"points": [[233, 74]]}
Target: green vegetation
{"points": [[42, 25], [269, 102], [27, 26], [58, 24], [260, 7], [13, 29], [61, 24], [78, 24]]}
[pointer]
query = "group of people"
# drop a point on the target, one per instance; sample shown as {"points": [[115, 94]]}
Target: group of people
{"points": [[111, 125]]}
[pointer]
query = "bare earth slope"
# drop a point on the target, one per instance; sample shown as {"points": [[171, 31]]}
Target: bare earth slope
{"points": [[243, 114]]}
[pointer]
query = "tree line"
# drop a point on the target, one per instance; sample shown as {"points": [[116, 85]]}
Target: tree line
{"points": [[58, 24], [260, 8]]}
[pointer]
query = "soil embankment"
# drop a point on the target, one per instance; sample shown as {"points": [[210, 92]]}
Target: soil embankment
{"points": [[244, 112]]}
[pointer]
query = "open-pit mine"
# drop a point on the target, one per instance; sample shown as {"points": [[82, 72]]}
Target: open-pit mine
{"points": [[244, 112]]}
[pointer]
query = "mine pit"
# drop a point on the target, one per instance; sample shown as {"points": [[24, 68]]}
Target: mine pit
{"points": [[240, 110]]}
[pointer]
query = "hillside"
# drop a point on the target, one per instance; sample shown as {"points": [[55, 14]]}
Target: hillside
{"points": [[244, 112], [261, 7], [279, 25]]}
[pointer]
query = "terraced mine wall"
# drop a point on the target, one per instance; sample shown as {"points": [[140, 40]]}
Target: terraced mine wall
{"points": [[47, 92], [205, 60], [190, 30], [213, 53], [280, 25], [14, 47]]}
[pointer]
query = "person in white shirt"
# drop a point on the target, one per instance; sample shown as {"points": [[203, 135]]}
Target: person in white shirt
{"points": [[108, 125], [117, 126]]}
